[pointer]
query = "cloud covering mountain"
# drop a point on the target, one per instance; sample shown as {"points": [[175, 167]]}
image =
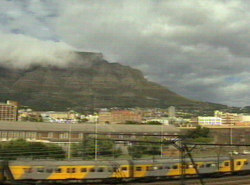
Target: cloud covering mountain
{"points": [[199, 49]]}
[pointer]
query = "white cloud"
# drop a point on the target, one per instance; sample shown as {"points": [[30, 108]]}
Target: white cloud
{"points": [[21, 51], [192, 46]]}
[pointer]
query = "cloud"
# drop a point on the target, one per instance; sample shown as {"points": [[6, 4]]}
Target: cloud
{"points": [[20, 51], [193, 47]]}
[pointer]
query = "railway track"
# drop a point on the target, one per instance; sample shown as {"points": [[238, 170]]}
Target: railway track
{"points": [[225, 180], [229, 180]]}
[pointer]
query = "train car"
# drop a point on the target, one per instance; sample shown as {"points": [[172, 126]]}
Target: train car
{"points": [[173, 167], [69, 170], [49, 170], [2, 177]]}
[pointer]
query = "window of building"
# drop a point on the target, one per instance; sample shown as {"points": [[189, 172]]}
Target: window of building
{"points": [[50, 135], [64, 135]]}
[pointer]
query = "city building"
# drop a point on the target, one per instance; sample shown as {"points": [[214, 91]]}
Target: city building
{"points": [[119, 116], [8, 111], [62, 133], [227, 118], [60, 117], [209, 120], [171, 111]]}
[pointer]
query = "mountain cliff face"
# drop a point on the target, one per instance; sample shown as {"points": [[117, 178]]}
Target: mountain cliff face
{"points": [[88, 81]]}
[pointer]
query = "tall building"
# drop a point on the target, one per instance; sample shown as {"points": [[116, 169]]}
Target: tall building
{"points": [[8, 111], [171, 111]]}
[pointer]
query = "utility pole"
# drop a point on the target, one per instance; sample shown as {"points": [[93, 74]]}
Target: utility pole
{"points": [[161, 140], [69, 145], [96, 137], [231, 134]]}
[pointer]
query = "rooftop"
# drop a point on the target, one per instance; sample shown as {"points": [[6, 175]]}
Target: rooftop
{"points": [[87, 128]]}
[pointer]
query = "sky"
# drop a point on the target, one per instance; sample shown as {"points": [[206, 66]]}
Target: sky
{"points": [[197, 48]]}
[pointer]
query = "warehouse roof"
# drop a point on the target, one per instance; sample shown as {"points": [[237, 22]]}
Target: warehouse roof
{"points": [[88, 128]]}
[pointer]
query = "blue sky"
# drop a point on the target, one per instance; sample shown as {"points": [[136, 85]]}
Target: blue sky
{"points": [[197, 48]]}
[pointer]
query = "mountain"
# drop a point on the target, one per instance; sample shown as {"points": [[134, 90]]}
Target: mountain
{"points": [[89, 81]]}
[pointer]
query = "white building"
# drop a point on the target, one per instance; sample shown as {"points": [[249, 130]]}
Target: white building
{"points": [[162, 120], [209, 120]]}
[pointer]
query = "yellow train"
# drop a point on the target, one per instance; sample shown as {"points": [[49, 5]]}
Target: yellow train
{"points": [[49, 170]]}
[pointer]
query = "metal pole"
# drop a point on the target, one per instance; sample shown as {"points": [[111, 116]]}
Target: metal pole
{"points": [[161, 140], [69, 145], [231, 134], [96, 141]]}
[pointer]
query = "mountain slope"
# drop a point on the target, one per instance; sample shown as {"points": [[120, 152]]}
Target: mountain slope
{"points": [[88, 81]]}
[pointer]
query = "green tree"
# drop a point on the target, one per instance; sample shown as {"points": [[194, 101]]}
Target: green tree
{"points": [[154, 123], [21, 148], [86, 149], [200, 134], [132, 123], [138, 150]]}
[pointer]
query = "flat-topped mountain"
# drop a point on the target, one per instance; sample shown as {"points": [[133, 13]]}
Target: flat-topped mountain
{"points": [[87, 81]]}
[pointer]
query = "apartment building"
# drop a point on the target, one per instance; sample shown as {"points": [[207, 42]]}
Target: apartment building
{"points": [[119, 116], [8, 111]]}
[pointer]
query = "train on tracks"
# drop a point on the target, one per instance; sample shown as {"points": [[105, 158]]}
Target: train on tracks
{"points": [[79, 170]]}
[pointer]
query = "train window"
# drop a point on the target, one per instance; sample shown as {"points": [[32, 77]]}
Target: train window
{"points": [[147, 168], [83, 169], [73, 170], [202, 166], [68, 170], [49, 170], [92, 170], [160, 167], [190, 166], [208, 165], [110, 170], [28, 170], [213, 165], [245, 163], [100, 169], [238, 163], [138, 168], [226, 163], [167, 167], [40, 170], [124, 168], [58, 170], [115, 169], [175, 167]]}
